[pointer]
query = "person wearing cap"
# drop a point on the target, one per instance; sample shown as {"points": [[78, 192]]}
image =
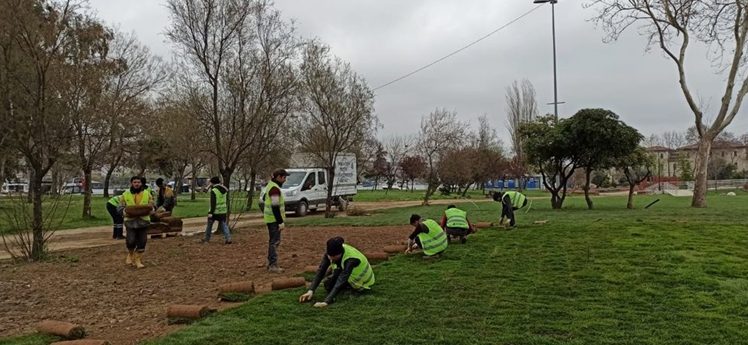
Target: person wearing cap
{"points": [[350, 271], [137, 226], [218, 210], [165, 197], [274, 214], [428, 236], [455, 223], [510, 202]]}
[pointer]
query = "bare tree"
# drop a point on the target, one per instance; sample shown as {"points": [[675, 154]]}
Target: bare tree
{"points": [[396, 148], [521, 108], [440, 132], [338, 109], [673, 139], [673, 25]]}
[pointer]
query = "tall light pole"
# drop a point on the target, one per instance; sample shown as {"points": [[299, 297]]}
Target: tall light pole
{"points": [[553, 29]]}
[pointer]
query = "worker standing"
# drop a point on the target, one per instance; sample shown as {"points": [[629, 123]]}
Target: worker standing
{"points": [[112, 206], [456, 224], [274, 214], [350, 271], [166, 197], [218, 210], [428, 236], [137, 226], [510, 202]]}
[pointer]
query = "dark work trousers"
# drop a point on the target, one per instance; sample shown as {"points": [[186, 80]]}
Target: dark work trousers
{"points": [[332, 278], [274, 240], [507, 210], [457, 232], [117, 219], [136, 239]]}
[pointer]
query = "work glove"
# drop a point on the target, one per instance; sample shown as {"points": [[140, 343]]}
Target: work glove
{"points": [[210, 215], [320, 305], [306, 297], [281, 226]]}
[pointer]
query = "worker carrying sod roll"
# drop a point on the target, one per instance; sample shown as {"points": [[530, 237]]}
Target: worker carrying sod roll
{"points": [[350, 271]]}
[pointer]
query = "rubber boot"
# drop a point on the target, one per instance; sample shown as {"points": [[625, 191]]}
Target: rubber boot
{"points": [[130, 256], [138, 260]]}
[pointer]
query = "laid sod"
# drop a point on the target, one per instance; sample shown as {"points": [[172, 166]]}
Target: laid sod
{"points": [[670, 275]]}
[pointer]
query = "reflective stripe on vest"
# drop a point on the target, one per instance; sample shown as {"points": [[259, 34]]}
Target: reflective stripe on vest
{"points": [[435, 241], [129, 199], [456, 218], [221, 207], [362, 276], [114, 201], [268, 208], [517, 199]]}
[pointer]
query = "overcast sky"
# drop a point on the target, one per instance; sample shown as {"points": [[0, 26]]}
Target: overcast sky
{"points": [[385, 39]]}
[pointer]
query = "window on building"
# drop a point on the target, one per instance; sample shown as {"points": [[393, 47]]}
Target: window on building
{"points": [[723, 153], [660, 155]]}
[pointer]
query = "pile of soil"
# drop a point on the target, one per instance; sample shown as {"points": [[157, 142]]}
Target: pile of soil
{"points": [[93, 287]]}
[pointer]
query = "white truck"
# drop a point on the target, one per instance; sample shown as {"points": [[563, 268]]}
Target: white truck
{"points": [[306, 185]]}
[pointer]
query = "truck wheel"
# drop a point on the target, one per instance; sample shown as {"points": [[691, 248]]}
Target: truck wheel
{"points": [[302, 208]]}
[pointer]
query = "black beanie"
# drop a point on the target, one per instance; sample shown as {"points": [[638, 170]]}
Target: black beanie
{"points": [[335, 246], [414, 218]]}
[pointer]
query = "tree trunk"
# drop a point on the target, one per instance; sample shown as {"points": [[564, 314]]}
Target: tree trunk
{"points": [[108, 179], [37, 247], [30, 196], [700, 179], [226, 175], [630, 203], [330, 186], [251, 190], [86, 193], [193, 184], [587, 173]]}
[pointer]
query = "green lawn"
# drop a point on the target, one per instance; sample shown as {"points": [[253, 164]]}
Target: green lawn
{"points": [[69, 209], [404, 195], [665, 275]]}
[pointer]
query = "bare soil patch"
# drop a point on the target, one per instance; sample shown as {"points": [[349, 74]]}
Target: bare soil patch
{"points": [[93, 287]]}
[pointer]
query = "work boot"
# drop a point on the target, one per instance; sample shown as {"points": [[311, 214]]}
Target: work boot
{"points": [[275, 269], [128, 261], [463, 239], [138, 260]]}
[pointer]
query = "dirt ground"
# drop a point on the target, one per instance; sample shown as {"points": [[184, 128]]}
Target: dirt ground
{"points": [[93, 287]]}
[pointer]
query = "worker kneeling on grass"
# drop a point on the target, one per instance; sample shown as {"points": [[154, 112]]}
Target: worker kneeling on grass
{"points": [[456, 224], [427, 236], [350, 271], [510, 202]]}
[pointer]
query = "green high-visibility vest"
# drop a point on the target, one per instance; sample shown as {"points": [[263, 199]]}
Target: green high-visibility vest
{"points": [[268, 208], [129, 199], [221, 207], [456, 218], [434, 241], [517, 199], [114, 201], [362, 276]]}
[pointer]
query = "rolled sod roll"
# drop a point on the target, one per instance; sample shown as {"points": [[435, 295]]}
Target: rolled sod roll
{"points": [[311, 269], [178, 313], [240, 287], [377, 256], [138, 210], [483, 225], [288, 283], [394, 249], [157, 228], [66, 330], [82, 342]]}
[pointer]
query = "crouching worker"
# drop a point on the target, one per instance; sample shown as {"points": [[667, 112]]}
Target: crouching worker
{"points": [[510, 202], [456, 224], [428, 236], [115, 211], [350, 271], [137, 226]]}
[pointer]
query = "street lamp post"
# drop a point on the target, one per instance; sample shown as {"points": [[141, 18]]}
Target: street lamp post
{"points": [[553, 29]]}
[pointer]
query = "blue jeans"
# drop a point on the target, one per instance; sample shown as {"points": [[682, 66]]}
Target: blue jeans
{"points": [[221, 219], [274, 240]]}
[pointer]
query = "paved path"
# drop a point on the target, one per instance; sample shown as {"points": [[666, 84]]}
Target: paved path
{"points": [[101, 235]]}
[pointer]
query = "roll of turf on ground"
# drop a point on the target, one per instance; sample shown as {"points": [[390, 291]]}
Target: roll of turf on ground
{"points": [[158, 228], [180, 313], [311, 269], [483, 225], [395, 249], [82, 342], [288, 283], [378, 256], [66, 330], [235, 292]]}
